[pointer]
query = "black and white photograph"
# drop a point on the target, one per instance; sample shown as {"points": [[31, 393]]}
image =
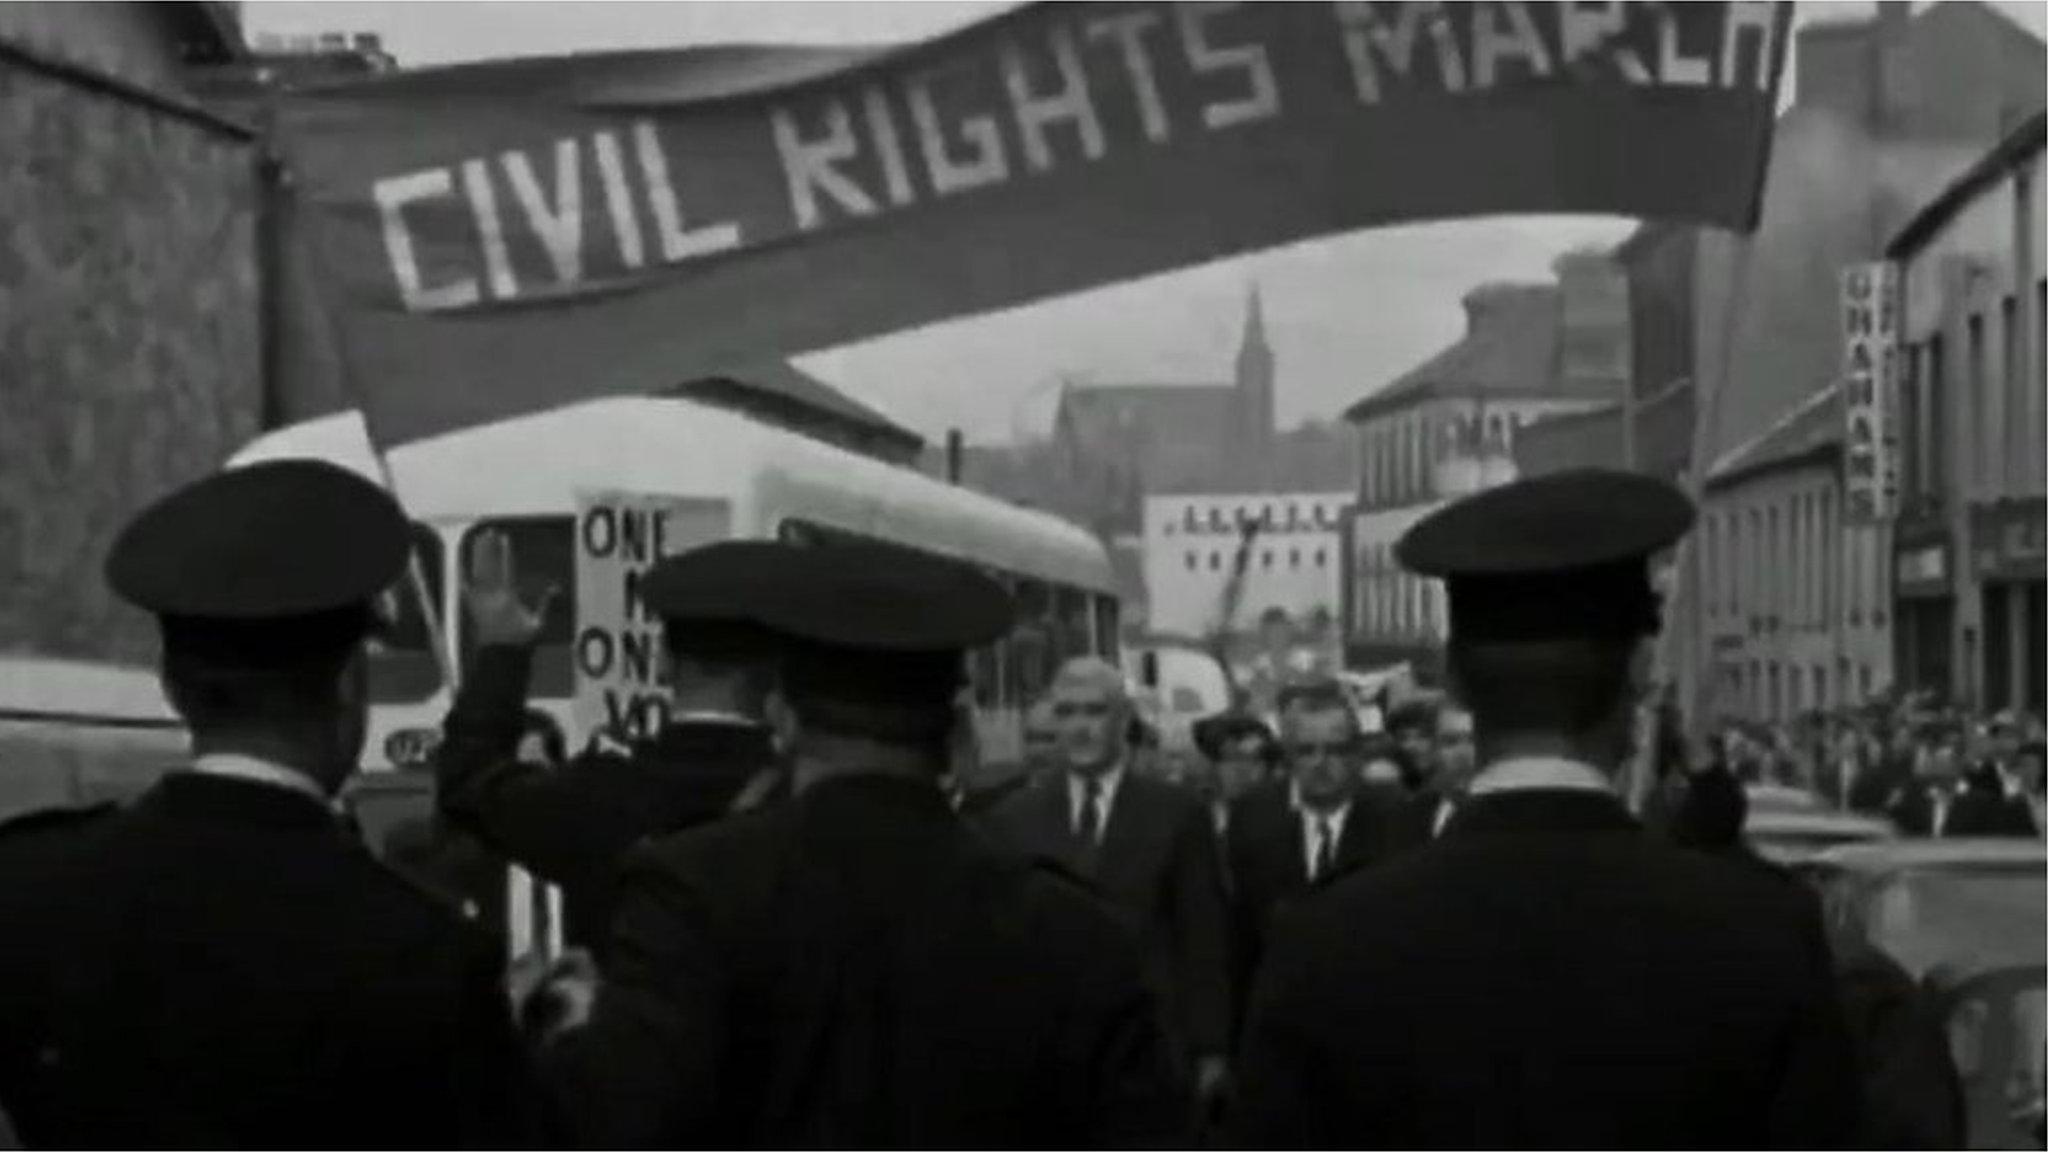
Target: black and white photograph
{"points": [[1078, 574]]}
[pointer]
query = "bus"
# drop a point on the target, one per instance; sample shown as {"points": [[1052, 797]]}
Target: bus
{"points": [[79, 732], [521, 476]]}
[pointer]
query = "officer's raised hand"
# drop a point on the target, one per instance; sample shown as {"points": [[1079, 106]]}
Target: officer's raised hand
{"points": [[491, 594]]}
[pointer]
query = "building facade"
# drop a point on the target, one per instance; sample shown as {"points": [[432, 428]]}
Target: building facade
{"points": [[1793, 593], [1973, 417], [131, 350], [1449, 427], [1292, 564]]}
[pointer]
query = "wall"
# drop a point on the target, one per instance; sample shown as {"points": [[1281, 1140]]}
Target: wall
{"points": [[1796, 608], [129, 358], [1295, 562], [131, 41]]}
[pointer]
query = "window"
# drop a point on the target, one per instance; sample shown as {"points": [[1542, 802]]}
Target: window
{"points": [[1215, 561], [1977, 393], [1752, 573], [1774, 561], [1730, 573], [1216, 520], [1193, 562], [1266, 559], [1934, 420], [1831, 556], [1191, 521], [1911, 472], [1293, 558], [1322, 559], [403, 669], [2012, 403]]}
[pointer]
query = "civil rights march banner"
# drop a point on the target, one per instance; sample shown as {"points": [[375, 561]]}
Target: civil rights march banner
{"points": [[507, 236], [621, 675]]}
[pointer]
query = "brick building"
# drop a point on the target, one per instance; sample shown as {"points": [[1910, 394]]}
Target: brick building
{"points": [[131, 353]]}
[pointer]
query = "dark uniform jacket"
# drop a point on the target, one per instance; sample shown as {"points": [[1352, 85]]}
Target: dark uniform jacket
{"points": [[569, 825], [1547, 975], [1158, 864], [859, 969], [1268, 860], [220, 966], [1972, 811]]}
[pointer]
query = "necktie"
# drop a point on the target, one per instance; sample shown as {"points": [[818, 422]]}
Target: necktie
{"points": [[1326, 848], [1445, 808], [1089, 824]]}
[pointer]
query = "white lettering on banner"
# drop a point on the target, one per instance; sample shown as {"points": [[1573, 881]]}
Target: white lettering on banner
{"points": [[1363, 33], [1036, 112], [560, 225], [1870, 325], [1051, 97], [621, 673], [483, 205], [812, 166], [1262, 97], [984, 162], [1128, 30], [677, 243], [1757, 19], [1492, 44], [611, 172], [889, 141], [392, 194]]}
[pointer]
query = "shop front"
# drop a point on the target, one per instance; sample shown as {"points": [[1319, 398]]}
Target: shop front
{"points": [[2009, 562], [1924, 622]]}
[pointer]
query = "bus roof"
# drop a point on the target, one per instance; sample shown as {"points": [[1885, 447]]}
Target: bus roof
{"points": [[534, 465], [87, 691]]}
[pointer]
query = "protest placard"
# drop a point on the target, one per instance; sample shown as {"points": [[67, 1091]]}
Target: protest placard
{"points": [[621, 675]]}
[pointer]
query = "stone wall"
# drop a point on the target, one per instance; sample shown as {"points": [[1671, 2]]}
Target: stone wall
{"points": [[129, 358]]}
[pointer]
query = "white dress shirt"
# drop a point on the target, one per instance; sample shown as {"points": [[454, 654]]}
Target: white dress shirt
{"points": [[249, 768], [1105, 798], [1314, 825]]}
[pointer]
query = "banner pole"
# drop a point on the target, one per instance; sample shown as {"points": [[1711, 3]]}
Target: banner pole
{"points": [[337, 339]]}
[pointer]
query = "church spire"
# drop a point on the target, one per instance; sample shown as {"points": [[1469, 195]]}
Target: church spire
{"points": [[1255, 324], [1255, 374]]}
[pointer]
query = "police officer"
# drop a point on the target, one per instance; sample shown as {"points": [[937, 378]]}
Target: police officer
{"points": [[717, 751], [1545, 974], [857, 968], [219, 965]]}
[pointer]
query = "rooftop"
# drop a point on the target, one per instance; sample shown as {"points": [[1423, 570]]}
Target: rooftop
{"points": [[1814, 426], [1509, 350], [2019, 145], [782, 386]]}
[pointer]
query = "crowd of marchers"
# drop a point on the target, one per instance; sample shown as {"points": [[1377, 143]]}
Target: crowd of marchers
{"points": [[805, 917]]}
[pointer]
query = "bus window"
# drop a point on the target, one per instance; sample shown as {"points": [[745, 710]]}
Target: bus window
{"points": [[1070, 622], [1107, 641], [544, 555], [403, 669]]}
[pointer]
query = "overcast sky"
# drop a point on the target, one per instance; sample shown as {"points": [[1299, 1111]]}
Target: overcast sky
{"points": [[1345, 315]]}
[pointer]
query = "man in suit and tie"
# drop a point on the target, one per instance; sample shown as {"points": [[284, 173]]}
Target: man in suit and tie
{"points": [[1306, 832], [1545, 974], [1242, 755], [1149, 847], [1428, 812]]}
